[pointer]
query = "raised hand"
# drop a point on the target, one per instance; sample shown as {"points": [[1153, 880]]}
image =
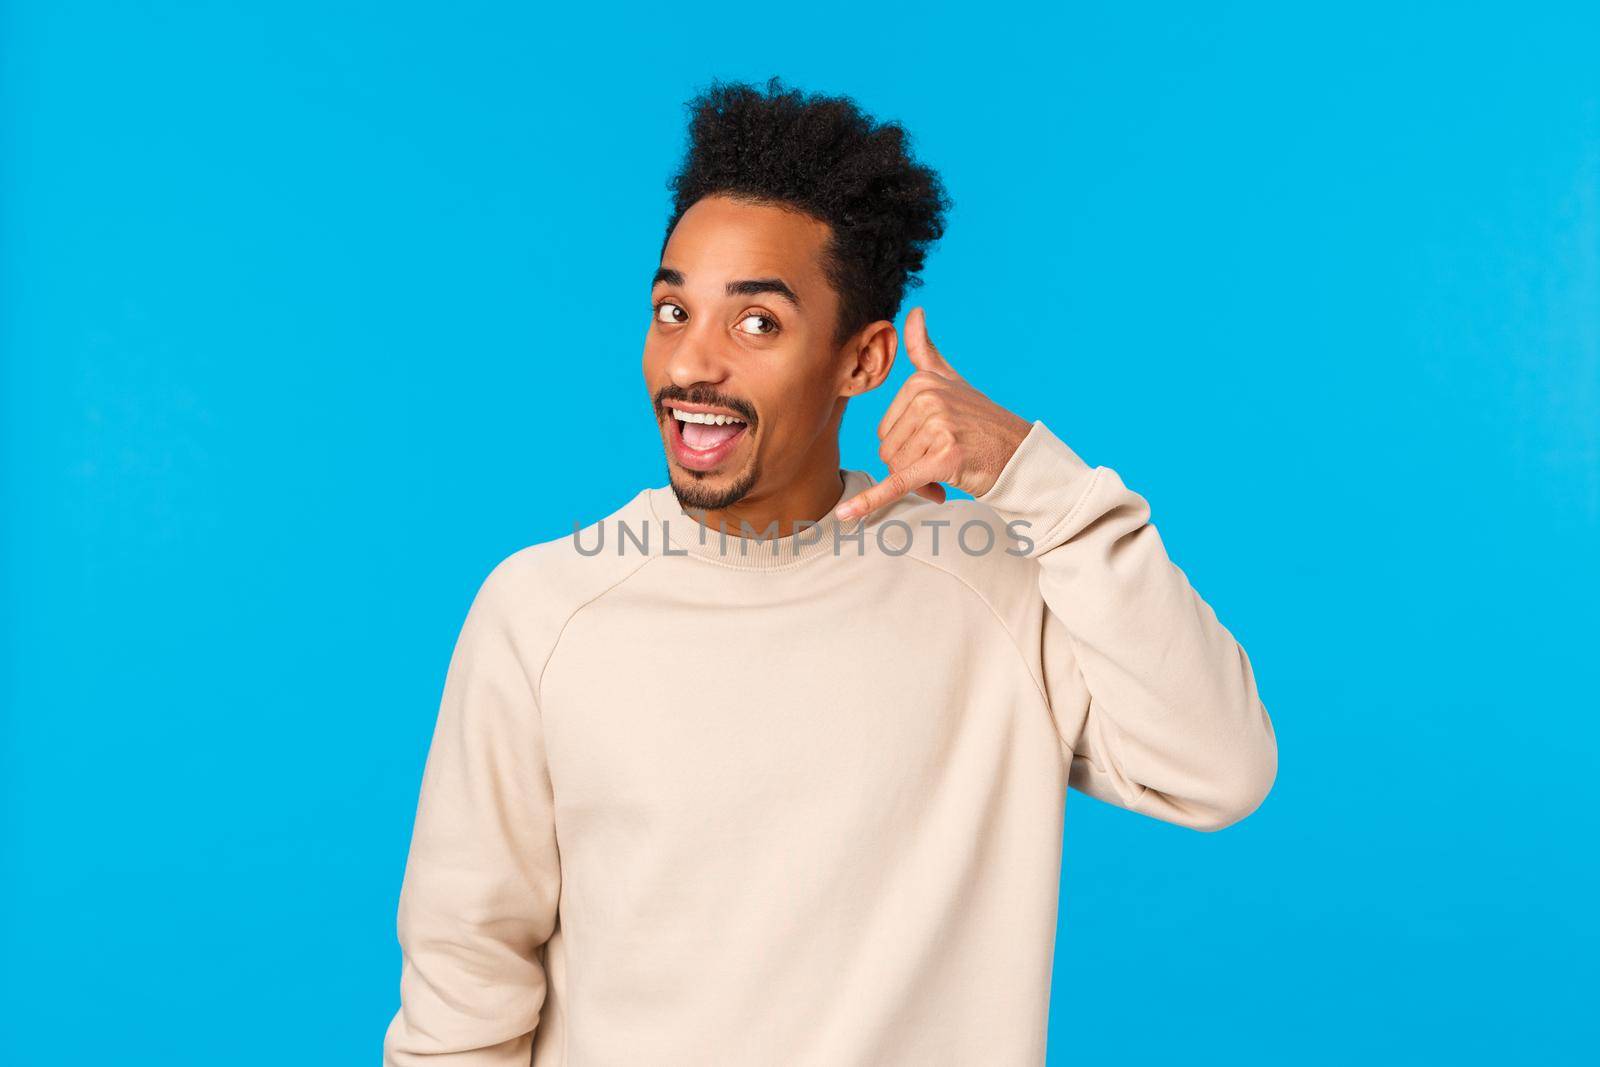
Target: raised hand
{"points": [[938, 429]]}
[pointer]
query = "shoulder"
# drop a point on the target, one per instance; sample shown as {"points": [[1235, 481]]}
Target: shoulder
{"points": [[537, 588], [970, 542]]}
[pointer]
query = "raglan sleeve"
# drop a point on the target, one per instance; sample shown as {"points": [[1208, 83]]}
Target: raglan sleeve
{"points": [[482, 878], [1155, 701]]}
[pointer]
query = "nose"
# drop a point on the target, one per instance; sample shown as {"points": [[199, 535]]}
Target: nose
{"points": [[698, 357]]}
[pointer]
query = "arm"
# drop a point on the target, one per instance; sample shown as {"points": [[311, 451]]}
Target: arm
{"points": [[1154, 699], [1153, 696], [482, 879]]}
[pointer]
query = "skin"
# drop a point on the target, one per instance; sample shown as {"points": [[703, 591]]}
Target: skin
{"points": [[774, 361]]}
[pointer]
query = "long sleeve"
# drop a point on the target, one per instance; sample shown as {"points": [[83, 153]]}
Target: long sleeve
{"points": [[1153, 697], [482, 877]]}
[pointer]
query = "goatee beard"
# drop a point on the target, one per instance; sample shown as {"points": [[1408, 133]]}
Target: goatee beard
{"points": [[697, 496]]}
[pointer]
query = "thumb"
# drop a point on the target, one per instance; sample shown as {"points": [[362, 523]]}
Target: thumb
{"points": [[924, 354]]}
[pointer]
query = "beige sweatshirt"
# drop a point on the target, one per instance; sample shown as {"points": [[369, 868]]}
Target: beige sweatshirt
{"points": [[723, 802]]}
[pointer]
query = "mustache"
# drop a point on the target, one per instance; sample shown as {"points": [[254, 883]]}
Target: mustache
{"points": [[739, 407]]}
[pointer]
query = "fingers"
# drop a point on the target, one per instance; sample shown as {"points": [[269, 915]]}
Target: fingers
{"points": [[917, 383], [899, 482], [910, 422], [933, 370], [856, 505], [914, 468]]}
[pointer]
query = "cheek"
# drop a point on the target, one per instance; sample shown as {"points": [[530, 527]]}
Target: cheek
{"points": [[800, 406], [654, 357]]}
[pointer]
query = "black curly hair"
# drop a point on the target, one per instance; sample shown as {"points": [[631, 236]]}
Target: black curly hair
{"points": [[823, 156]]}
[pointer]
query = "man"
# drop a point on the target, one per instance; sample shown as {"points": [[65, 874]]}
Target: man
{"points": [[768, 766]]}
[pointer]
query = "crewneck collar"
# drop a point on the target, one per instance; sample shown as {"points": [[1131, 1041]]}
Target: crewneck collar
{"points": [[824, 537]]}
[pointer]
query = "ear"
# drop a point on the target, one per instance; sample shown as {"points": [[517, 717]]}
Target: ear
{"points": [[868, 358]]}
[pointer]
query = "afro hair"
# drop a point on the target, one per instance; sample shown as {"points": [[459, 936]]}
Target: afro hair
{"points": [[822, 156]]}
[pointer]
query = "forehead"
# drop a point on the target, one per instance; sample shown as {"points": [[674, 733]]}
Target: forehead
{"points": [[720, 239]]}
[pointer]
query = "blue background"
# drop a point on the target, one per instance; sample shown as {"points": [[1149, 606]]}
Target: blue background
{"points": [[290, 296]]}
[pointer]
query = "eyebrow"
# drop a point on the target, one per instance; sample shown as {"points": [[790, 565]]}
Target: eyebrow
{"points": [[743, 287]]}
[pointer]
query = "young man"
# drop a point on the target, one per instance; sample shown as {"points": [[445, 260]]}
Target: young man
{"points": [[768, 766]]}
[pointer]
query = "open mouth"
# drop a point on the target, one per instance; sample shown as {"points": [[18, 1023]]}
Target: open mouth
{"points": [[701, 439]]}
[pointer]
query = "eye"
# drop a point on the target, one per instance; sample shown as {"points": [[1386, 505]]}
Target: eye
{"points": [[771, 324], [665, 309]]}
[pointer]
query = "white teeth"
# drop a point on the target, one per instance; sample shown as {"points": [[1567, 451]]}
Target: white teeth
{"points": [[705, 417]]}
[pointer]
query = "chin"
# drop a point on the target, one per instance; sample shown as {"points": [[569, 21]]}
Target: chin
{"points": [[709, 490]]}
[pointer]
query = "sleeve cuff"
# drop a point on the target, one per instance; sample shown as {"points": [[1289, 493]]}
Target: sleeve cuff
{"points": [[1042, 484]]}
